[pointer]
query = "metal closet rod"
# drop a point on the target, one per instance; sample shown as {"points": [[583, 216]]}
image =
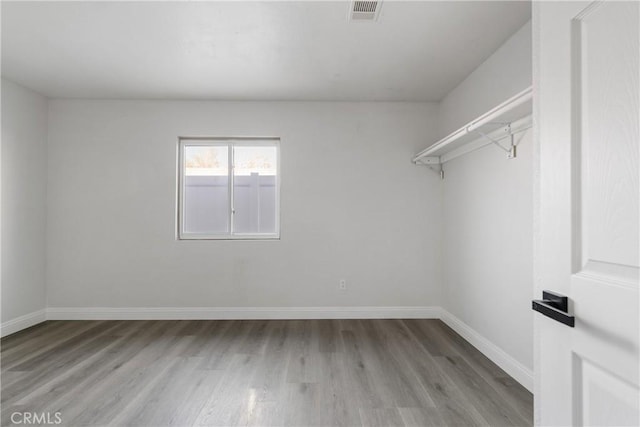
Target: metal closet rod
{"points": [[511, 103]]}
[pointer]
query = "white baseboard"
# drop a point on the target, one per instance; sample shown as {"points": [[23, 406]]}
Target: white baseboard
{"points": [[19, 323], [498, 356], [238, 313]]}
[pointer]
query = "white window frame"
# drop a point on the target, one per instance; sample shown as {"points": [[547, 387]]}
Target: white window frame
{"points": [[230, 142]]}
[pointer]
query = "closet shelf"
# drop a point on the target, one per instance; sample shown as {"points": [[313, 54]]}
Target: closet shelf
{"points": [[502, 121]]}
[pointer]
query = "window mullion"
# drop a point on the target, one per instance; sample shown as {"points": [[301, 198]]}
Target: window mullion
{"points": [[232, 207]]}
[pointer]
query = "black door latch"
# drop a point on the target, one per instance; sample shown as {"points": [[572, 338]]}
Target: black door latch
{"points": [[555, 306]]}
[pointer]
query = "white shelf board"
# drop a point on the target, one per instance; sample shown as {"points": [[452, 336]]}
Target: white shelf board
{"points": [[513, 111]]}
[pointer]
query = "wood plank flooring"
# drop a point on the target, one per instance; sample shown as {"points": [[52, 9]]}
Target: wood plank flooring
{"points": [[256, 373]]}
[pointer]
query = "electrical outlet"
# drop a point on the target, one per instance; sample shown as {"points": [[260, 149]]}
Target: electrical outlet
{"points": [[342, 284]]}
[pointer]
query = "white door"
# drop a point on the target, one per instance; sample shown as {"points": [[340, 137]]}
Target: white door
{"points": [[586, 231]]}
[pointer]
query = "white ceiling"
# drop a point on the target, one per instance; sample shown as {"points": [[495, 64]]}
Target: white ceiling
{"points": [[416, 51]]}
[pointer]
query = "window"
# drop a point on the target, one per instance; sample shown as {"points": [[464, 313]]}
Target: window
{"points": [[229, 188]]}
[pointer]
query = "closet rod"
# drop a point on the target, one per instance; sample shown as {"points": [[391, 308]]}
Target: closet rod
{"points": [[493, 114]]}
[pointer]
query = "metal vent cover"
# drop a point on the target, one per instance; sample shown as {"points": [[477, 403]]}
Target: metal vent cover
{"points": [[364, 10]]}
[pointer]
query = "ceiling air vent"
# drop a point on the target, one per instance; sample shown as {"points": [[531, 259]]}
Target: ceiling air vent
{"points": [[364, 10]]}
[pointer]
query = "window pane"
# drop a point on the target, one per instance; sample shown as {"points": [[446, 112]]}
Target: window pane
{"points": [[254, 191], [206, 189]]}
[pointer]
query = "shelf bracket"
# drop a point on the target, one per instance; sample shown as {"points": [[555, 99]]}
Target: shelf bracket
{"points": [[439, 170], [433, 163], [511, 150]]}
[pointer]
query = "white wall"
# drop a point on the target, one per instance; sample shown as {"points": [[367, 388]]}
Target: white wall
{"points": [[503, 74], [487, 250], [353, 206], [488, 211], [24, 160]]}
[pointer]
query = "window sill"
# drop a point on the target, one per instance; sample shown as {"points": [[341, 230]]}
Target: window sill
{"points": [[187, 236]]}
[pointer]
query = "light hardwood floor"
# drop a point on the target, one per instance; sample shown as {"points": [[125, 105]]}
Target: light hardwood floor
{"points": [[256, 373]]}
